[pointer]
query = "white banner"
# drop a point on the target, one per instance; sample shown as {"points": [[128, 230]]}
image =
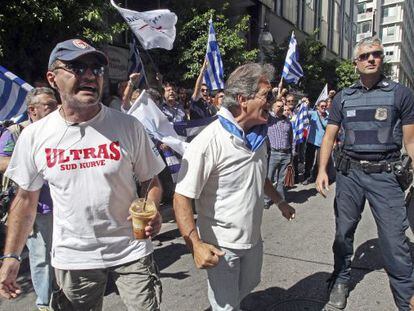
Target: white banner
{"points": [[323, 95], [156, 123], [154, 29]]}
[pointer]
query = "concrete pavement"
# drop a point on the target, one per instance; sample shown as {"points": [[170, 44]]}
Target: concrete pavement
{"points": [[297, 262]]}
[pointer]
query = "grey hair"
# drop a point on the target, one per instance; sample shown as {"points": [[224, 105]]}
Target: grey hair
{"points": [[31, 95], [364, 42], [244, 80]]}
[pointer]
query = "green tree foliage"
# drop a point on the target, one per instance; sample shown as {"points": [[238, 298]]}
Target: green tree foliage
{"points": [[183, 63], [346, 74], [29, 29]]}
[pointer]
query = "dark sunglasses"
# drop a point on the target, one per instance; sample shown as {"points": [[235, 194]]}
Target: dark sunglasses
{"points": [[204, 90], [375, 54], [79, 69]]}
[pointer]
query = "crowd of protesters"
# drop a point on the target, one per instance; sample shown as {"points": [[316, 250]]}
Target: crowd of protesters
{"points": [[261, 140]]}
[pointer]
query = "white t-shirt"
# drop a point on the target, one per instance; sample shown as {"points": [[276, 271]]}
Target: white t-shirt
{"points": [[90, 168], [226, 179]]}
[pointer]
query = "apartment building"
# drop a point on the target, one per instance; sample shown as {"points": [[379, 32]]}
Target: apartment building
{"points": [[392, 21], [333, 18]]}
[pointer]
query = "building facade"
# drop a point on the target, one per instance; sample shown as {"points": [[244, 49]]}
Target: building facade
{"points": [[332, 19], [392, 21]]}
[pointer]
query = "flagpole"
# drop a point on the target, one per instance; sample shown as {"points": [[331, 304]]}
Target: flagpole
{"points": [[157, 71]]}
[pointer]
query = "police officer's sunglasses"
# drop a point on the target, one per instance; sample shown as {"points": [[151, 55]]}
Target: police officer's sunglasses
{"points": [[365, 56], [79, 69]]}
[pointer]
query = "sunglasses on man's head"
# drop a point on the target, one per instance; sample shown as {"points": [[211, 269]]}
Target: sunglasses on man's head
{"points": [[375, 54], [79, 69]]}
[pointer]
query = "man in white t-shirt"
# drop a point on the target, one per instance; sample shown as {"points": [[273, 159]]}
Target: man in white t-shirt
{"points": [[91, 156], [224, 172]]}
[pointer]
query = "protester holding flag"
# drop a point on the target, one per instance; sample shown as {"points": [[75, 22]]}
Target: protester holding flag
{"points": [[224, 172], [200, 106]]}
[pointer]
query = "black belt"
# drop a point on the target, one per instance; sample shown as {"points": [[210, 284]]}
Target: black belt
{"points": [[288, 150], [370, 167]]}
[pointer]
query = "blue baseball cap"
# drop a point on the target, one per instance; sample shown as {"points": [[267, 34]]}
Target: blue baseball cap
{"points": [[74, 48]]}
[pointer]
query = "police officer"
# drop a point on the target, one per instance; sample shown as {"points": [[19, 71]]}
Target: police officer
{"points": [[376, 115]]}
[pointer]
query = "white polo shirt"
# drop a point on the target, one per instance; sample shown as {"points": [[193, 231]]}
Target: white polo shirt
{"points": [[226, 179]]}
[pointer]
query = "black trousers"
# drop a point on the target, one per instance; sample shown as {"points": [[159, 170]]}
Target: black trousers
{"points": [[387, 204]]}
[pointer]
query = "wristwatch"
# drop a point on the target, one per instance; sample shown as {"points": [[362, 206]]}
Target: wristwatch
{"points": [[17, 257]]}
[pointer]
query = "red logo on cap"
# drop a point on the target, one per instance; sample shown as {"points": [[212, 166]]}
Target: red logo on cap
{"points": [[80, 44]]}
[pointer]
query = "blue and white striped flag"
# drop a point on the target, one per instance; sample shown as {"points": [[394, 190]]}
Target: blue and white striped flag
{"points": [[214, 74], [136, 65], [292, 71], [13, 91], [300, 126]]}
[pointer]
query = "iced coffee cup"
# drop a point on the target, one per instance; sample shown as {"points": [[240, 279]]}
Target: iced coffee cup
{"points": [[142, 211]]}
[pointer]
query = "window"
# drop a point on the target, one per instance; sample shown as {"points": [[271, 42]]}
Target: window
{"points": [[364, 27], [389, 53], [311, 4], [388, 11], [390, 31], [361, 8]]}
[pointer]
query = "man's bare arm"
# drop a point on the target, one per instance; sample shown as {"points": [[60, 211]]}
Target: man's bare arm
{"points": [[196, 94], [4, 163], [20, 223], [408, 135], [152, 190], [287, 211], [322, 181], [205, 255], [185, 220]]}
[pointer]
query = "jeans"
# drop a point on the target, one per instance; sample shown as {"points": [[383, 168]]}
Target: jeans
{"points": [[39, 244], [278, 163], [235, 276]]}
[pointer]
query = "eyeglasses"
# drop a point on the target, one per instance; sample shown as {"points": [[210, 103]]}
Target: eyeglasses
{"points": [[79, 69], [269, 97], [204, 90], [323, 107], [365, 56]]}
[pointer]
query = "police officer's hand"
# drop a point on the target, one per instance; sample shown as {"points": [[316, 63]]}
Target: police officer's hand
{"points": [[8, 274], [322, 183], [287, 211], [206, 255], [154, 226]]}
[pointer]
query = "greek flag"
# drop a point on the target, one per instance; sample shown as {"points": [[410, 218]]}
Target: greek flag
{"points": [[136, 65], [13, 91], [300, 125], [292, 71], [213, 76]]}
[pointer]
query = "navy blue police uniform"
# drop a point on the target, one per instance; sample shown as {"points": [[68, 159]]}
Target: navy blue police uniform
{"points": [[372, 121]]}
